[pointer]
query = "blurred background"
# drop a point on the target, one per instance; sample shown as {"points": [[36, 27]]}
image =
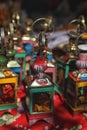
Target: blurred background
{"points": [[62, 10], [58, 8]]}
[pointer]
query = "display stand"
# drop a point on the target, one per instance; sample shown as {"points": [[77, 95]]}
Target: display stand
{"points": [[41, 99], [22, 56], [64, 66], [8, 90], [76, 94]]}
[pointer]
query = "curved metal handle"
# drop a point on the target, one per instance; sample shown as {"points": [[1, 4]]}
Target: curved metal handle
{"points": [[48, 23], [81, 24]]}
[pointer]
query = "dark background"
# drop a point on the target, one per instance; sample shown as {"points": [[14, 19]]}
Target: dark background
{"points": [[45, 6], [62, 10]]}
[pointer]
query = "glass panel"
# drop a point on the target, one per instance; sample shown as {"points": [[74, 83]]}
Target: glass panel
{"points": [[7, 93], [42, 101], [71, 92], [82, 96], [61, 78]]}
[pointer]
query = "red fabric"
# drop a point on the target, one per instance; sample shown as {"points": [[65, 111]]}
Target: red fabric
{"points": [[62, 120]]}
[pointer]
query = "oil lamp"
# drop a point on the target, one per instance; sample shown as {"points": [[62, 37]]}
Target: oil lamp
{"points": [[16, 19], [42, 26], [16, 23], [28, 26], [12, 41], [10, 49], [72, 48], [39, 85], [40, 63]]}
